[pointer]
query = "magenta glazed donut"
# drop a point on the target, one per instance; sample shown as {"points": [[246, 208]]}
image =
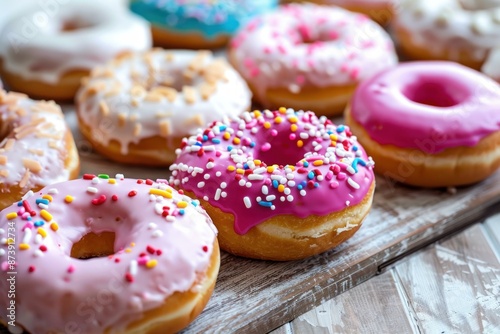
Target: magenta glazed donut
{"points": [[279, 185], [429, 124]]}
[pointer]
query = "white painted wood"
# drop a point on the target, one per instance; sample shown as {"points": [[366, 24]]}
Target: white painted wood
{"points": [[454, 286], [372, 307], [492, 231]]}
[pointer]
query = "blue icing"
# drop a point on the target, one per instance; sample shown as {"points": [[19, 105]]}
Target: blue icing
{"points": [[211, 18]]}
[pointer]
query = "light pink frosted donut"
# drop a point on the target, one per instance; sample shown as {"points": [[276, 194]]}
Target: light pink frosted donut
{"points": [[310, 57], [163, 244]]}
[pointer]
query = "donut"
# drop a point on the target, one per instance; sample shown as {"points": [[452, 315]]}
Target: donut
{"points": [[310, 57], [429, 124], [467, 32], [279, 185], [36, 146], [48, 49], [381, 11], [138, 107], [198, 24], [106, 255]]}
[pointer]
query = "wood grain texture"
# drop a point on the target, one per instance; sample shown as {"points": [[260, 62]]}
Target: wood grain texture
{"points": [[454, 286], [372, 307]]}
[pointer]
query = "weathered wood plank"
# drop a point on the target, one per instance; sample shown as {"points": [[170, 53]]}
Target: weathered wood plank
{"points": [[454, 286], [492, 230], [372, 307]]}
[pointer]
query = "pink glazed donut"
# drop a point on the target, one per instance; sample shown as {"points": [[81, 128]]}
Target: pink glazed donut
{"points": [[279, 185], [310, 57], [430, 124], [103, 255]]}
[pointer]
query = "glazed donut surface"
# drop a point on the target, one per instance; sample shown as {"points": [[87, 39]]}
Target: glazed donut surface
{"points": [[467, 32], [109, 255], [310, 57], [280, 185], [47, 52], [36, 146], [137, 108], [429, 124]]}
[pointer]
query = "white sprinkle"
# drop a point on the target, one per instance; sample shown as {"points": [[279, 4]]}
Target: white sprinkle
{"points": [[205, 198], [27, 236], [290, 176], [38, 239], [152, 226], [242, 182], [133, 268], [53, 191], [157, 234], [210, 165], [247, 201], [303, 192], [259, 170], [217, 194], [273, 207], [304, 135], [2, 231], [38, 253], [291, 184], [270, 198], [320, 177], [119, 176], [248, 185], [201, 184], [206, 176], [92, 190], [43, 206], [170, 219], [352, 183], [255, 177], [96, 180], [265, 190], [223, 185], [152, 198], [2, 252], [289, 198], [223, 194], [318, 147], [287, 191], [3, 241], [347, 203], [28, 195], [209, 148], [282, 198], [258, 199], [351, 170], [218, 174]]}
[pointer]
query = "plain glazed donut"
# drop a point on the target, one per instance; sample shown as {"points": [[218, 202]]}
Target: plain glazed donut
{"points": [[198, 24], [310, 57], [103, 255], [137, 108], [381, 11], [45, 54], [467, 32], [36, 146], [280, 185], [430, 124]]}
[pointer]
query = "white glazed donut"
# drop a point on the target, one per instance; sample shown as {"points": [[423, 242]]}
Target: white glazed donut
{"points": [[137, 108], [310, 57], [48, 50], [466, 31]]}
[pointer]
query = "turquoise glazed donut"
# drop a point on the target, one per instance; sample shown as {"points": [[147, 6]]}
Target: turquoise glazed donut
{"points": [[198, 23]]}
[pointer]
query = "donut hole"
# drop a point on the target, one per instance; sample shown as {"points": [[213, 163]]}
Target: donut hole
{"points": [[307, 35], [434, 92], [279, 150], [93, 245]]}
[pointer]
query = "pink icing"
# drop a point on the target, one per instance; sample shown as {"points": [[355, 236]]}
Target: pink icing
{"points": [[429, 106], [57, 293], [253, 168], [309, 45]]}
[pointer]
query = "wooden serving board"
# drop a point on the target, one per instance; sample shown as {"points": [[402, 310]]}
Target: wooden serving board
{"points": [[257, 296]]}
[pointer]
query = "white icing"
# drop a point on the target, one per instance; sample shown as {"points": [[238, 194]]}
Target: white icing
{"points": [[453, 24], [35, 48], [113, 85], [44, 142]]}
